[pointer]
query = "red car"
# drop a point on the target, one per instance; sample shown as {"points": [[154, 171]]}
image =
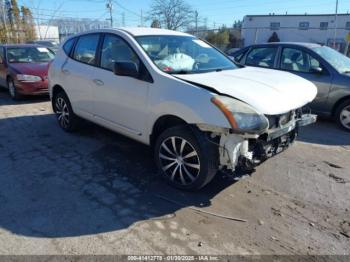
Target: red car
{"points": [[23, 69]]}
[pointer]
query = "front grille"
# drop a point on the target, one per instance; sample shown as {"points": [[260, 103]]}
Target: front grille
{"points": [[276, 121]]}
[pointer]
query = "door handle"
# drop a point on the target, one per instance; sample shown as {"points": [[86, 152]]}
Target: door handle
{"points": [[65, 71], [98, 82]]}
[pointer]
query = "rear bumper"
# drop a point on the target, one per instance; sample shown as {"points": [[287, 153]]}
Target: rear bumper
{"points": [[32, 88]]}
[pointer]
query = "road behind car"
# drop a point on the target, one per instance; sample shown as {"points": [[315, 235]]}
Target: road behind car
{"points": [[97, 192]]}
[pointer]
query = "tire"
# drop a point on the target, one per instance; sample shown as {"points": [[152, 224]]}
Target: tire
{"points": [[66, 118], [191, 163], [342, 115], [12, 89]]}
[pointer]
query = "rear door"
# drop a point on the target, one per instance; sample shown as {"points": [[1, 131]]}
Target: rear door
{"points": [[79, 72], [302, 63]]}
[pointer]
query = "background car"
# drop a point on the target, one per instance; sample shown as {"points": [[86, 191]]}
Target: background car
{"points": [[52, 45], [23, 69], [328, 69]]}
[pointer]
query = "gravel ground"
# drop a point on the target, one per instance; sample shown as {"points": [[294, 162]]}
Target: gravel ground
{"points": [[96, 192]]}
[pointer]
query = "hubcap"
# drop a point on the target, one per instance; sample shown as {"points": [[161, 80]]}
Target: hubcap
{"points": [[62, 112], [179, 160], [12, 89], [345, 117]]}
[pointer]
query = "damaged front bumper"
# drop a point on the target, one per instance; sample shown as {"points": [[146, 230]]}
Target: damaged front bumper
{"points": [[247, 151]]}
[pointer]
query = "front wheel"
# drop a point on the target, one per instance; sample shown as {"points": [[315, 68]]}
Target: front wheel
{"points": [[13, 90], [67, 120], [342, 115], [185, 158]]}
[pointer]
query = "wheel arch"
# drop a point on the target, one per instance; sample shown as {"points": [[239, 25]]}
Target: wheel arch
{"points": [[162, 123], [339, 102]]}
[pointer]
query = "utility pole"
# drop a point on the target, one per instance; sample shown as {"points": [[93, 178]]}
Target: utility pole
{"points": [[196, 19], [110, 8], [335, 23], [123, 19], [141, 18]]}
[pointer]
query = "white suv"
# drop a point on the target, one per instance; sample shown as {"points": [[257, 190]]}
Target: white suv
{"points": [[199, 111]]}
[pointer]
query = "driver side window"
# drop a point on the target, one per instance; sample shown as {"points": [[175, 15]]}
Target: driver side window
{"points": [[115, 49]]}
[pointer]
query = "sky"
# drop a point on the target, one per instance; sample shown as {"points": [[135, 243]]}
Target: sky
{"points": [[213, 13]]}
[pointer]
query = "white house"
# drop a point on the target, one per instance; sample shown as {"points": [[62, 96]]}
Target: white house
{"points": [[47, 32], [322, 29]]}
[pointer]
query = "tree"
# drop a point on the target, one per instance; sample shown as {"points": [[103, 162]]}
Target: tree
{"points": [[15, 21], [220, 39], [156, 24], [273, 38], [27, 24], [172, 14]]}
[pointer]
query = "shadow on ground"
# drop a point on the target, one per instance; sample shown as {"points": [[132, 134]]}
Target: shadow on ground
{"points": [[5, 97], [324, 132], [55, 184]]}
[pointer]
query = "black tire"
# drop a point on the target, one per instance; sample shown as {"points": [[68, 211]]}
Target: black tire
{"points": [[12, 89], [202, 167], [339, 114], [66, 118]]}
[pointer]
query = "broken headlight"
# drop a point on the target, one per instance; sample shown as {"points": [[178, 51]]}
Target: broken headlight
{"points": [[241, 116]]}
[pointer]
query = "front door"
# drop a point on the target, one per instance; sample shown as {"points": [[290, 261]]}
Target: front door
{"points": [[120, 101]]}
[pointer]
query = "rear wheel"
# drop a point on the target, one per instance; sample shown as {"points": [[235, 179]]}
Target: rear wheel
{"points": [[12, 89], [185, 158], [343, 115], [67, 120]]}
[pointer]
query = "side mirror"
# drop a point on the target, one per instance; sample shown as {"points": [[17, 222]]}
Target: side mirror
{"points": [[126, 69], [316, 70]]}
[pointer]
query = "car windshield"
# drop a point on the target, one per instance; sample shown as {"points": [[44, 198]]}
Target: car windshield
{"points": [[339, 61], [184, 54], [29, 55]]}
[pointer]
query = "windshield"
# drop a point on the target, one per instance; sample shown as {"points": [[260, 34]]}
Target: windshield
{"points": [[29, 55], [184, 54], [339, 61]]}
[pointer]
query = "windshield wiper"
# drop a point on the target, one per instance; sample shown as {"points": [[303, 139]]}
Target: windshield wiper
{"points": [[346, 72]]}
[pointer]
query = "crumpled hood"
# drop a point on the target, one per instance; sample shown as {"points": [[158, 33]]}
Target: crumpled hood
{"points": [[270, 92]]}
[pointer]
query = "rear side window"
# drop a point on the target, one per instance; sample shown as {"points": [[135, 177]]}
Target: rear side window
{"points": [[85, 49], [262, 56], [68, 46]]}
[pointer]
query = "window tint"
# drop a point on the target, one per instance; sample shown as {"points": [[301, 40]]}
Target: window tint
{"points": [[298, 61], [85, 50], [68, 46], [115, 49], [262, 56]]}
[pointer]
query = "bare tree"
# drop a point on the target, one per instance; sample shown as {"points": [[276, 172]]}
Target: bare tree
{"points": [[172, 14]]}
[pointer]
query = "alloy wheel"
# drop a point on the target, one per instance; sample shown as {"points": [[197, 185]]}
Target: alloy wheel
{"points": [[345, 117], [62, 112], [179, 160]]}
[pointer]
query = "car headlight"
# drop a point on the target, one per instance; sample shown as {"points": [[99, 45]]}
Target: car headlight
{"points": [[242, 117], [28, 78]]}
